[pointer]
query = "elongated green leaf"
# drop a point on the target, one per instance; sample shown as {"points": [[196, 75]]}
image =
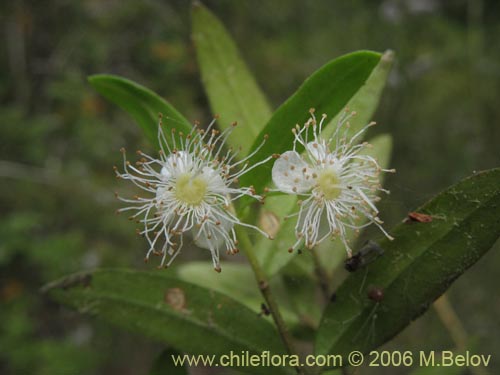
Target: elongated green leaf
{"points": [[141, 103], [231, 88], [188, 317], [300, 288], [365, 101], [328, 90], [417, 267]]}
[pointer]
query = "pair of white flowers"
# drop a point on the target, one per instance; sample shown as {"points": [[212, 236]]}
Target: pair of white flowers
{"points": [[191, 188]]}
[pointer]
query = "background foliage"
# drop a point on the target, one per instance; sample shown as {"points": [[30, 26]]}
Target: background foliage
{"points": [[59, 140]]}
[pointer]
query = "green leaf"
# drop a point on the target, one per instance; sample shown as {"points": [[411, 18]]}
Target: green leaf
{"points": [[300, 290], [365, 101], [164, 364], [236, 281], [328, 90], [231, 88], [273, 255], [188, 317], [416, 268], [140, 103]]}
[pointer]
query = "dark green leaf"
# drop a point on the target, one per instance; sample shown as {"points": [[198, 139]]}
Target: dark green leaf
{"points": [[141, 103], [188, 317], [416, 268], [328, 90], [231, 89]]}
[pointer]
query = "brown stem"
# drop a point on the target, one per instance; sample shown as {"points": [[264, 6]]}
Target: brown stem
{"points": [[455, 328], [263, 283]]}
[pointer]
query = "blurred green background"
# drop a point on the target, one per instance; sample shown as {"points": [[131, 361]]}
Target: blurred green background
{"points": [[59, 141]]}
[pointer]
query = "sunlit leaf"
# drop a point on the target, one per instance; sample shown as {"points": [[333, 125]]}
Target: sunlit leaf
{"points": [[328, 90], [140, 103], [416, 268], [231, 88], [364, 102], [238, 282]]}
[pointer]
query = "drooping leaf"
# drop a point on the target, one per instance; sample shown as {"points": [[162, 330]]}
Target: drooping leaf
{"points": [[140, 103], [185, 316], [231, 88], [416, 268], [328, 90]]}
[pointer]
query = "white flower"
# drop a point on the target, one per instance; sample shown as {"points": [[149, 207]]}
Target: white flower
{"points": [[335, 182], [190, 190]]}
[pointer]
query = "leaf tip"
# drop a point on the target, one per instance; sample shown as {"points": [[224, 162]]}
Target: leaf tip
{"points": [[93, 78], [388, 56]]}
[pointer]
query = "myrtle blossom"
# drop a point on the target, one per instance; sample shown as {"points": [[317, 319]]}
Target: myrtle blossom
{"points": [[190, 189], [337, 184]]}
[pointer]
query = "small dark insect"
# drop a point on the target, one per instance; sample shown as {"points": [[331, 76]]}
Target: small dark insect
{"points": [[299, 251], [375, 294], [367, 254], [264, 310], [418, 217]]}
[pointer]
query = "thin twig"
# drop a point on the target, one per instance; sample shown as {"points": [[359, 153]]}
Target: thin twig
{"points": [[455, 328], [262, 281]]}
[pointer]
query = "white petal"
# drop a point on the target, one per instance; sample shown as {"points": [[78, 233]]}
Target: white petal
{"points": [[180, 162], [218, 233], [214, 180], [318, 150], [165, 172], [291, 174]]}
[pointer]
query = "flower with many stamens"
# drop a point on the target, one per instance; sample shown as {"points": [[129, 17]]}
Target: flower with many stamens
{"points": [[191, 188], [337, 184]]}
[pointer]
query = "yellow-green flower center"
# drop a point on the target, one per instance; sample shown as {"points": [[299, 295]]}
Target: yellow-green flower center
{"points": [[328, 184], [189, 189]]}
